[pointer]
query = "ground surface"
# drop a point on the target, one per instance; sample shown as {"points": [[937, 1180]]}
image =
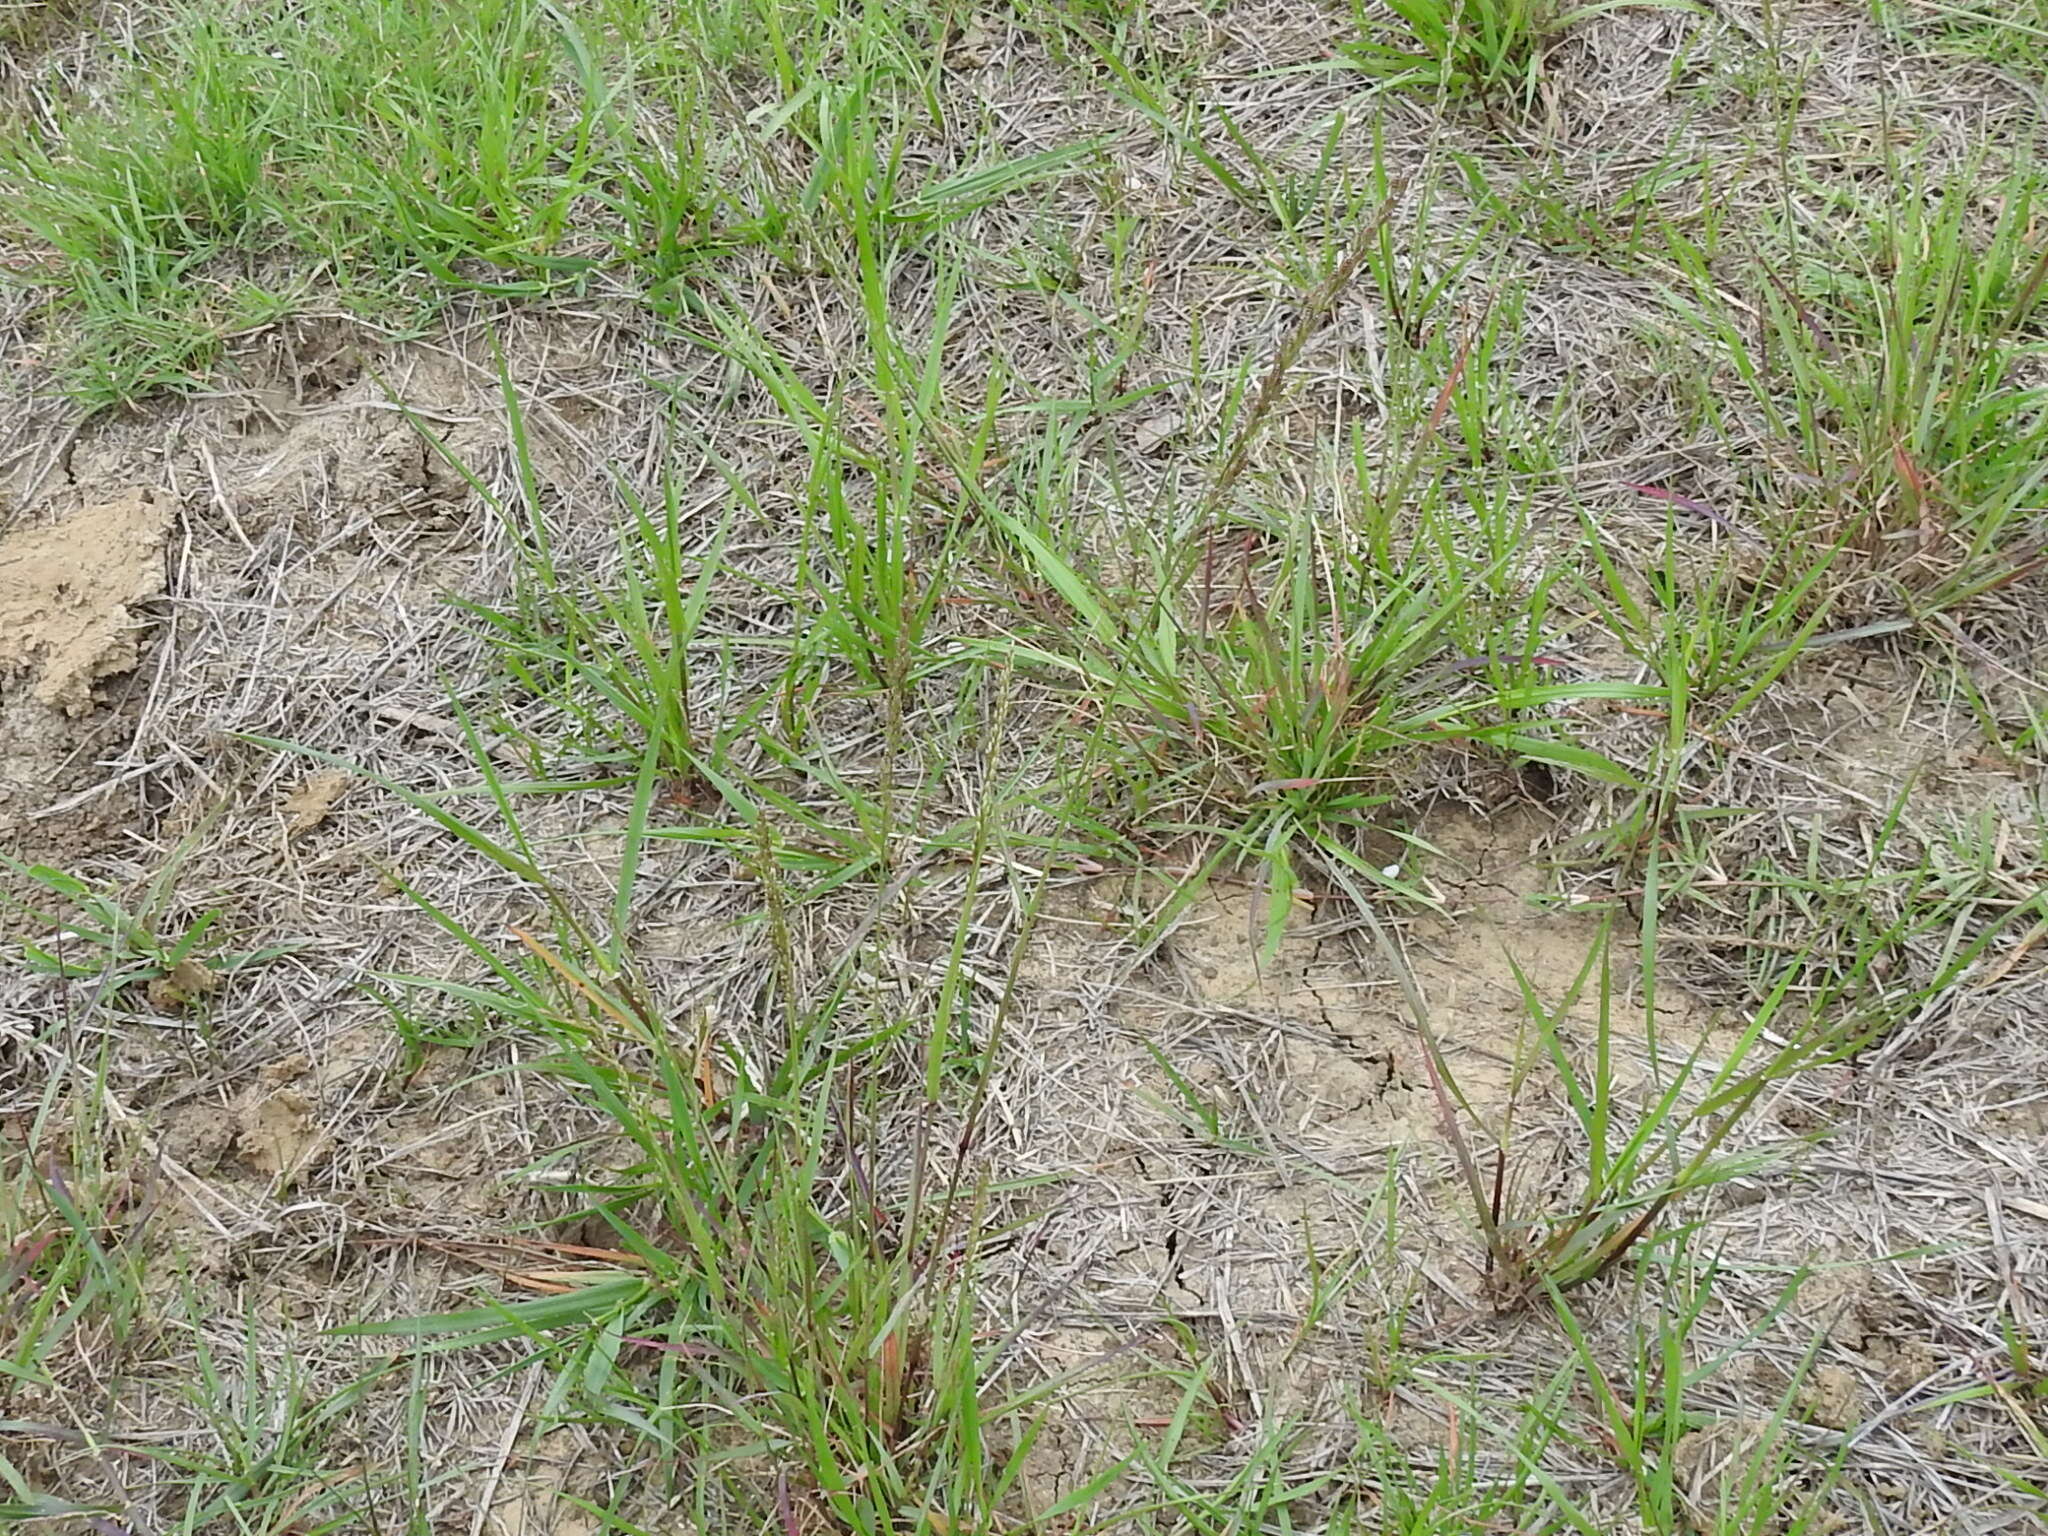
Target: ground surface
{"points": [[1061, 767]]}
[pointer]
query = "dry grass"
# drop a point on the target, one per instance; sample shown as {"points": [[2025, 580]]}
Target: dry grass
{"points": [[917, 802]]}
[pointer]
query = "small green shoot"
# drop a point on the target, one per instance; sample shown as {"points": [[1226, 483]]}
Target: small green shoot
{"points": [[95, 935]]}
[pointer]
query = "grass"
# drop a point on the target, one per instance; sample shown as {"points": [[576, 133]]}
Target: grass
{"points": [[68, 1286], [1491, 49], [800, 1294], [2015, 38], [404, 154], [799, 1297], [1635, 1173], [1892, 364], [1036, 513], [1277, 730], [96, 937], [785, 1292]]}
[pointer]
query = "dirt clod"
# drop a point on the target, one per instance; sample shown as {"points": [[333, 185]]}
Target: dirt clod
{"points": [[1833, 1397], [279, 1131], [67, 590]]}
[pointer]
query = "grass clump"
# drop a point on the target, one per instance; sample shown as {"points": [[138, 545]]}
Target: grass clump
{"points": [[1895, 368], [1263, 680], [1275, 707], [94, 933], [1644, 1152], [1490, 49], [790, 1285]]}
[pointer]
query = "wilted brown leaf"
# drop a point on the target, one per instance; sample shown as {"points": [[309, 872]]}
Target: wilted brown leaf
{"points": [[182, 986], [307, 806]]}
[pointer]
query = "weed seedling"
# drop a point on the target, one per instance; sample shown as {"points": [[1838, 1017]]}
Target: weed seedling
{"points": [[99, 937]]}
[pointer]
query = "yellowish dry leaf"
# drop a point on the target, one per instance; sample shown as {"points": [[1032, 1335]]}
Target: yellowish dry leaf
{"points": [[307, 806]]}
